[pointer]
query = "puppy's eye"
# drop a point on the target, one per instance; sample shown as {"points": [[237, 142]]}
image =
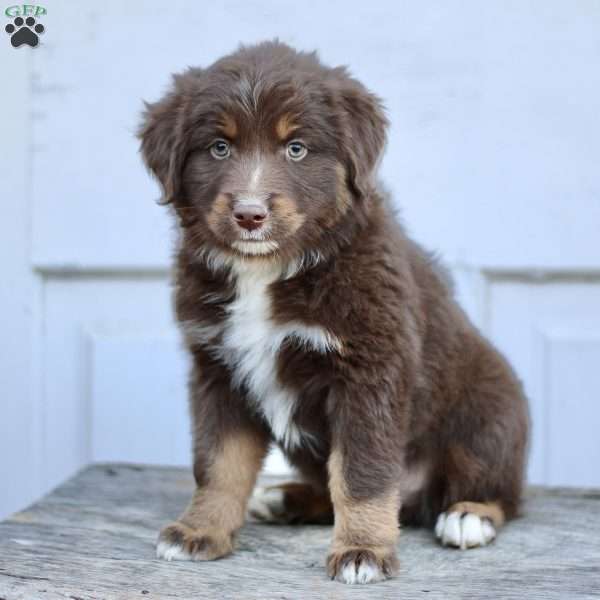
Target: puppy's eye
{"points": [[220, 149], [296, 150]]}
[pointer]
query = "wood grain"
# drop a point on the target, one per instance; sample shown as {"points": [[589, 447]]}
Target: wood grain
{"points": [[93, 538]]}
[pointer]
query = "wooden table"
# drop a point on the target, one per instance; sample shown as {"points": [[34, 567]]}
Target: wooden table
{"points": [[94, 538]]}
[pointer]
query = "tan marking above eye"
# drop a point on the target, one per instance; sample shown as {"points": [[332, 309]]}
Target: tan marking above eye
{"points": [[228, 126], [285, 126]]}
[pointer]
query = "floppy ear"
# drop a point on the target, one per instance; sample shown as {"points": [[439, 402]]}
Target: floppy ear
{"points": [[163, 142], [364, 136]]}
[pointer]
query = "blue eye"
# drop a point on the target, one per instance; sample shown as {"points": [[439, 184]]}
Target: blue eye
{"points": [[220, 149], [296, 150]]}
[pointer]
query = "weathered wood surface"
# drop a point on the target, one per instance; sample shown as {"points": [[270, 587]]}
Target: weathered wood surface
{"points": [[93, 538]]}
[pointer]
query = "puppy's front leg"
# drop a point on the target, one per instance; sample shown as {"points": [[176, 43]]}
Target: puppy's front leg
{"points": [[366, 514], [229, 449]]}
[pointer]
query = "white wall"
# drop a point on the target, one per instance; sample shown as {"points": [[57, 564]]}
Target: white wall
{"points": [[20, 300], [493, 157]]}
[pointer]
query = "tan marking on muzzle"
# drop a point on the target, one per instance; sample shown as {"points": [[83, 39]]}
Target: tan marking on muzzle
{"points": [[284, 210], [219, 210], [285, 127]]}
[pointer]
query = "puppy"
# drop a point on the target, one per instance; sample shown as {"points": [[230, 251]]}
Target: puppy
{"points": [[315, 323]]}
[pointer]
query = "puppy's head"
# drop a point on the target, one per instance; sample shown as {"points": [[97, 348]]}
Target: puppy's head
{"points": [[265, 153]]}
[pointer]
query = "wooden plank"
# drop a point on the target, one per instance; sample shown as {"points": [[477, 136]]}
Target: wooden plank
{"points": [[93, 538]]}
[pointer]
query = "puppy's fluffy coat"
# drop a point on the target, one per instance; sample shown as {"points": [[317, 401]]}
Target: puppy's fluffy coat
{"points": [[315, 323]]}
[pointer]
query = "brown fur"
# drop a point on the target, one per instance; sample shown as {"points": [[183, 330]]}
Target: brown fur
{"points": [[342, 197], [421, 411]]}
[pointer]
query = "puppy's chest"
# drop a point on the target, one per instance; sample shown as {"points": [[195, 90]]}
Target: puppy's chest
{"points": [[249, 341]]}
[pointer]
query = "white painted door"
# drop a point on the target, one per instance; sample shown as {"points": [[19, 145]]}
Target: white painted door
{"points": [[493, 157]]}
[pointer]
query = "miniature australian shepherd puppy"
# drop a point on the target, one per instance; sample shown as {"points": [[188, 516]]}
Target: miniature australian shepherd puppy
{"points": [[315, 323]]}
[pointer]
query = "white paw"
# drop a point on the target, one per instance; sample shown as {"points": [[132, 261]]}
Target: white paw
{"points": [[464, 530], [170, 551], [364, 573], [266, 504]]}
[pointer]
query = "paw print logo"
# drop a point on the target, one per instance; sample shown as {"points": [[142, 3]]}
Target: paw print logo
{"points": [[24, 32]]}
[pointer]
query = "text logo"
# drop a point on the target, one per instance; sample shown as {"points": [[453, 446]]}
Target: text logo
{"points": [[24, 28]]}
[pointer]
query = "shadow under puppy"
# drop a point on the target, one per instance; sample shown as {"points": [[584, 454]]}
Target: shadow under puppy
{"points": [[315, 323]]}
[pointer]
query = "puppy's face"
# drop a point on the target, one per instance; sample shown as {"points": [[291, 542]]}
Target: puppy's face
{"points": [[264, 178], [265, 153]]}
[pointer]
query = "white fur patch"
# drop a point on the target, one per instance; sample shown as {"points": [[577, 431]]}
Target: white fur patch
{"points": [[256, 176], [308, 260], [214, 259], [255, 247], [171, 552], [255, 234], [217, 260], [250, 342], [266, 504], [365, 573], [464, 531]]}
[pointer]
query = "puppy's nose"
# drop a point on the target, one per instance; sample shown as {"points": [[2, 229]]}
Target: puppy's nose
{"points": [[250, 216]]}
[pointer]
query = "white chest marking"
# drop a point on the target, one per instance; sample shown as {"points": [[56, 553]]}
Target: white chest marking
{"points": [[251, 342]]}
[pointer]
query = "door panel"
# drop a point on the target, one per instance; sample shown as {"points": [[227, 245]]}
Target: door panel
{"points": [[86, 316], [551, 332], [138, 399], [573, 421]]}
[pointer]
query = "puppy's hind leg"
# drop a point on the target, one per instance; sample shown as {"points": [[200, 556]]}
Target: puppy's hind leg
{"points": [[483, 461], [291, 503]]}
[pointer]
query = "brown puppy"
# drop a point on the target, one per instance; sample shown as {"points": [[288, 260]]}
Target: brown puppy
{"points": [[315, 323]]}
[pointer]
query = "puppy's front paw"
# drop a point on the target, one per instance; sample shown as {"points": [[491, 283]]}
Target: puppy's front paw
{"points": [[180, 542], [361, 565]]}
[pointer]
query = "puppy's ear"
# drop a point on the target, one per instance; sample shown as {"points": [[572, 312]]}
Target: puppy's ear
{"points": [[364, 136], [163, 140]]}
